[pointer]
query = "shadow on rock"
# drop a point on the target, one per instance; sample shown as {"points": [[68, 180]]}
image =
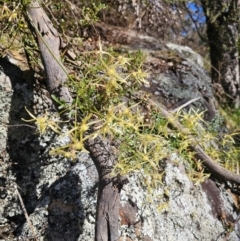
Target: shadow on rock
{"points": [[51, 193]]}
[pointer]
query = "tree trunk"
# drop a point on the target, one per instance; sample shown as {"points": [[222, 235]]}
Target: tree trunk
{"points": [[222, 20]]}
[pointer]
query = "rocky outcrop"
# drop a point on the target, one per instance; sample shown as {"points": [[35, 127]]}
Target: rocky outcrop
{"points": [[60, 195]]}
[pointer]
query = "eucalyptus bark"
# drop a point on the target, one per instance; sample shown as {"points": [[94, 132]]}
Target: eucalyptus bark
{"points": [[222, 19], [100, 149]]}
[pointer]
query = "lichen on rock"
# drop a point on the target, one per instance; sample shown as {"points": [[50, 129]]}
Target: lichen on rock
{"points": [[60, 195]]}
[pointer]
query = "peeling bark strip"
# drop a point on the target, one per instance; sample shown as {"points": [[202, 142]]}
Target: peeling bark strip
{"points": [[49, 43]]}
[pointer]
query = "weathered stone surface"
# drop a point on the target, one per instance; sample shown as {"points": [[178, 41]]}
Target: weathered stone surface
{"points": [[60, 195]]}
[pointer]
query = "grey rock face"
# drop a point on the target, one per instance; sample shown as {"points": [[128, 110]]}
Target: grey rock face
{"points": [[175, 80], [60, 195]]}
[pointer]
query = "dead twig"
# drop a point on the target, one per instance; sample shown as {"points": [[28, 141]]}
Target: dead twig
{"points": [[208, 162], [26, 215], [184, 105], [17, 125]]}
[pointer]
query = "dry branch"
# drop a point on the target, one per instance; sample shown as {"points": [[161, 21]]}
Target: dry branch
{"points": [[49, 43], [208, 162], [109, 188]]}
